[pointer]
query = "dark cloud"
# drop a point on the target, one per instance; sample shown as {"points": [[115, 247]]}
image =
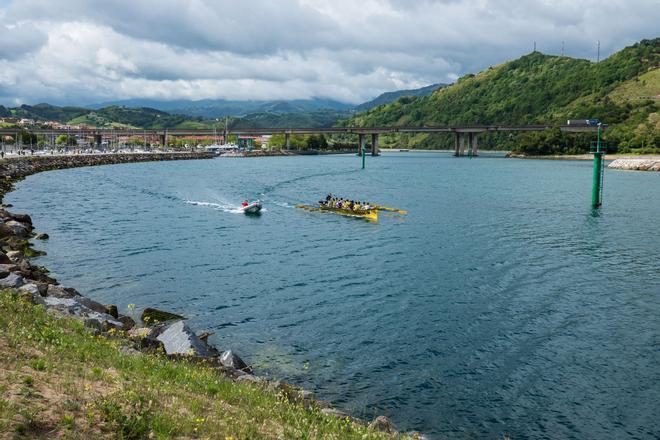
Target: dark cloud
{"points": [[19, 40], [91, 50]]}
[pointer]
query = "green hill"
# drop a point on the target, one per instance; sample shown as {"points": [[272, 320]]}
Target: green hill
{"points": [[117, 116], [107, 117], [312, 119], [538, 88], [388, 97], [48, 112]]}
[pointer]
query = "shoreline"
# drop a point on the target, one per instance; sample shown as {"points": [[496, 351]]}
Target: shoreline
{"points": [[155, 331], [585, 156], [625, 162]]}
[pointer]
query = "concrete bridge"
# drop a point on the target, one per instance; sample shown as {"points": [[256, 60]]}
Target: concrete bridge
{"points": [[465, 136]]}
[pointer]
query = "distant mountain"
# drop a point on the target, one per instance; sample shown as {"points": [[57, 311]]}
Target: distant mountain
{"points": [[217, 108], [622, 91], [310, 119], [388, 97]]}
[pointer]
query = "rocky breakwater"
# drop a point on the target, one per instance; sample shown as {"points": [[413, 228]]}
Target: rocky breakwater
{"points": [[154, 333], [15, 168], [636, 164]]}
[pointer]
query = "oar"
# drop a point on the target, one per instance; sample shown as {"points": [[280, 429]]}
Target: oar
{"points": [[385, 208], [307, 208]]}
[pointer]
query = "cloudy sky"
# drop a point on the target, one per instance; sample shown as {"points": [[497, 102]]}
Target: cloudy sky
{"points": [[85, 51]]}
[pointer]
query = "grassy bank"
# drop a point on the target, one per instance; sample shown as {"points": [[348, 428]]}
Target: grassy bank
{"points": [[59, 380]]}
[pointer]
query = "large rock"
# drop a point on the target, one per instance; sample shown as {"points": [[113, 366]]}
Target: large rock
{"points": [[61, 291], [128, 322], [382, 423], [15, 256], [91, 304], [12, 280], [31, 293], [4, 259], [9, 267], [5, 231], [231, 360], [31, 287], [19, 229], [155, 316], [111, 310], [42, 236], [22, 218], [70, 306], [178, 338]]}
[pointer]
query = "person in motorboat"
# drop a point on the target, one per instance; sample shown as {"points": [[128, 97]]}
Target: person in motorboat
{"points": [[245, 203]]}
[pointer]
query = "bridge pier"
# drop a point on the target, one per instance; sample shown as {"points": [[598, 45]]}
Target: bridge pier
{"points": [[374, 144], [163, 141], [287, 140], [474, 144], [98, 140], [360, 143], [460, 143]]}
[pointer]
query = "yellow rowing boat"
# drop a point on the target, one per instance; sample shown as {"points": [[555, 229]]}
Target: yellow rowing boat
{"points": [[385, 208], [367, 214]]}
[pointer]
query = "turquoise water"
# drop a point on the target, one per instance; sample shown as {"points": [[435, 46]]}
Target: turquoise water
{"points": [[501, 304]]}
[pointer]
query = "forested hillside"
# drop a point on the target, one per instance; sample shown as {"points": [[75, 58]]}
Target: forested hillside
{"points": [[107, 117], [623, 91], [388, 97]]}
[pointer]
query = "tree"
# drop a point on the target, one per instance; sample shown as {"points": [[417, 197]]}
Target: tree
{"points": [[65, 140]]}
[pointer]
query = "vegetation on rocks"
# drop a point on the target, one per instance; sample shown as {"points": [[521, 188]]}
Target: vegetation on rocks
{"points": [[622, 91]]}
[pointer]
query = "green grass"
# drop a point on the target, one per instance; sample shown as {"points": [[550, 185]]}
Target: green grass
{"points": [[58, 380], [645, 86]]}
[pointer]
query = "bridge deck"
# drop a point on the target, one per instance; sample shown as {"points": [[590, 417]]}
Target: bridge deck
{"points": [[330, 130]]}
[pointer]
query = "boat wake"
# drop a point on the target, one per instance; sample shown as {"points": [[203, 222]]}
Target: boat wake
{"points": [[282, 204], [224, 207]]}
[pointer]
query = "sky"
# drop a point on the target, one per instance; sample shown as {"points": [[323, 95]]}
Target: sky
{"points": [[88, 51]]}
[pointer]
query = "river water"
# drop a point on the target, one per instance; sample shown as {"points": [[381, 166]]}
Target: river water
{"points": [[501, 304]]}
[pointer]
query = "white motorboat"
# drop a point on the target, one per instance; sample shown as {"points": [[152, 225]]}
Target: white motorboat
{"points": [[252, 208]]}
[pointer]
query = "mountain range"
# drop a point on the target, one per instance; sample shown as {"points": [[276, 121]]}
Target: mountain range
{"points": [[219, 108], [146, 113]]}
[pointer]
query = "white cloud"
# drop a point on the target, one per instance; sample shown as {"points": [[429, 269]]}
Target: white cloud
{"points": [[82, 51]]}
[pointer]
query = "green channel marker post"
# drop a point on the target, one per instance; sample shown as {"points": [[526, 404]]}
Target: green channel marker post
{"points": [[597, 187], [364, 155]]}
